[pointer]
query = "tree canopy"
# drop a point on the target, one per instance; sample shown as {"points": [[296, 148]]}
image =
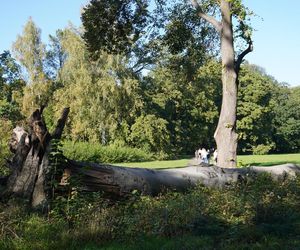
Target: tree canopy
{"points": [[171, 107]]}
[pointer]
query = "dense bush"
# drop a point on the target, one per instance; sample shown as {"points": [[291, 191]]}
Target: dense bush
{"points": [[258, 214], [83, 151], [262, 149], [5, 132], [151, 133]]}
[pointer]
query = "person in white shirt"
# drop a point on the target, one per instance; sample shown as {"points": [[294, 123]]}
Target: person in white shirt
{"points": [[204, 155]]}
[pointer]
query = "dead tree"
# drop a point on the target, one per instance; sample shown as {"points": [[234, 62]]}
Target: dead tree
{"points": [[121, 181], [30, 164], [32, 170]]}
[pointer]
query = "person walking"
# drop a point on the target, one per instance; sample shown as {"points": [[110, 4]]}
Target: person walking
{"points": [[204, 155]]}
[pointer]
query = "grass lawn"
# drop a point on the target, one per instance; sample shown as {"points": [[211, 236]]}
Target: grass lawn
{"points": [[243, 160], [157, 164], [268, 160]]}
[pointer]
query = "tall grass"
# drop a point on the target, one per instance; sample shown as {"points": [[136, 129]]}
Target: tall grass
{"points": [[258, 214]]}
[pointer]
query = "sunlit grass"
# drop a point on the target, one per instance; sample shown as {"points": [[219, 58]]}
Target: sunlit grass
{"points": [[157, 164], [243, 160], [269, 160]]}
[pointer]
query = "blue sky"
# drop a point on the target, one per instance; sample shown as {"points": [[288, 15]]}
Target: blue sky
{"points": [[276, 39], [49, 15]]}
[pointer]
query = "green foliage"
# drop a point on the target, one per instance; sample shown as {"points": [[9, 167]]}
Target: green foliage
{"points": [[9, 111], [83, 151], [145, 30], [126, 20], [57, 163], [255, 113], [287, 119], [5, 131], [10, 78], [163, 96], [258, 213], [268, 117], [11, 88], [30, 51], [262, 149], [186, 35], [188, 101], [36, 95], [55, 56], [103, 96], [151, 133]]}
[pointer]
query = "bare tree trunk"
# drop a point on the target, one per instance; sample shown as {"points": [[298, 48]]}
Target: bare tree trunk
{"points": [[225, 134]]}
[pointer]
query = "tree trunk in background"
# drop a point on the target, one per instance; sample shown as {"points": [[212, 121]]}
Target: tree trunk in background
{"points": [[225, 134]]}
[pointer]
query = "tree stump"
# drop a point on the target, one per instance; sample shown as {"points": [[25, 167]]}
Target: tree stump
{"points": [[30, 164]]}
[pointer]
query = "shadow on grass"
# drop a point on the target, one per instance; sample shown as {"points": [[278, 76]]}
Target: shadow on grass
{"points": [[259, 214]]}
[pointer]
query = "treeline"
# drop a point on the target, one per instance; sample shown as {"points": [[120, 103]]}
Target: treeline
{"points": [[168, 106]]}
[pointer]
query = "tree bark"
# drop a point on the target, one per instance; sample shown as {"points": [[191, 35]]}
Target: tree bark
{"points": [[30, 164], [225, 134], [121, 181]]}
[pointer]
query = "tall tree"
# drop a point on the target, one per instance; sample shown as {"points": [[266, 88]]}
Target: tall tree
{"points": [[287, 119], [126, 21], [11, 88], [225, 134], [55, 55], [102, 94], [189, 107], [11, 81], [172, 43], [255, 112], [30, 52]]}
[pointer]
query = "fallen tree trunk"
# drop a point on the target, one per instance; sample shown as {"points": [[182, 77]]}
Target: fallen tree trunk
{"points": [[33, 173], [122, 181]]}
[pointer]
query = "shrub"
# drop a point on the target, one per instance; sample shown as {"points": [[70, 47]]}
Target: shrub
{"points": [[150, 132], [5, 132], [92, 152], [255, 214], [262, 149]]}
